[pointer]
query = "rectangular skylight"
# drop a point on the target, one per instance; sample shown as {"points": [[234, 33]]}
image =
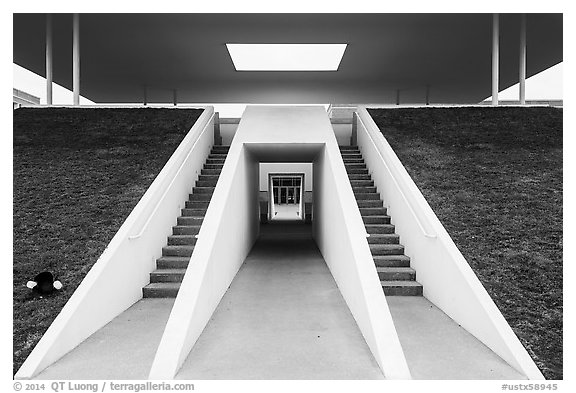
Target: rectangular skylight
{"points": [[286, 57]]}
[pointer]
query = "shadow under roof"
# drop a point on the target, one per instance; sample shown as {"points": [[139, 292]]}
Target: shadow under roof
{"points": [[121, 53]]}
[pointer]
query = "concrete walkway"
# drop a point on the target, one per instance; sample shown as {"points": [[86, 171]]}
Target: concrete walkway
{"points": [[286, 213], [123, 349], [283, 317], [436, 347]]}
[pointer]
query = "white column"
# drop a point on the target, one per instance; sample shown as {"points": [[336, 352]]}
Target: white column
{"points": [[397, 96], [271, 212], [495, 44], [76, 58], [48, 59], [522, 75], [301, 205], [175, 96], [427, 94]]}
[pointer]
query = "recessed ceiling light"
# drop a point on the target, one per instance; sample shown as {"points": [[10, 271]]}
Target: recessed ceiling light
{"points": [[286, 57]]}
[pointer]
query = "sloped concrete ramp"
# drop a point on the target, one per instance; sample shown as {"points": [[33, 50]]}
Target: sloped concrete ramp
{"points": [[436, 347], [283, 317], [123, 349]]}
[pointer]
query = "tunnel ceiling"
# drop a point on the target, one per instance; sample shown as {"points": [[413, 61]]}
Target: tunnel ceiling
{"points": [[121, 53]]}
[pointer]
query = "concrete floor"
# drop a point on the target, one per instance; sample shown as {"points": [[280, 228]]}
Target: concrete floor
{"points": [[123, 349], [286, 213], [438, 348], [283, 317]]}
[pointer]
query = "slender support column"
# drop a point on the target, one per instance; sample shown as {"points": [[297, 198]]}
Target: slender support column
{"points": [[301, 200], [495, 55], [354, 135], [48, 59], [76, 58], [397, 96], [427, 94], [145, 101], [175, 96], [217, 134], [522, 75]]}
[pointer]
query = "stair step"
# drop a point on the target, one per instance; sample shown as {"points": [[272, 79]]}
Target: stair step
{"points": [[369, 203], [357, 171], [348, 148], [210, 171], [213, 166], [187, 229], [386, 249], [197, 204], [208, 177], [167, 275], [203, 190], [396, 273], [380, 219], [401, 288], [384, 238], [371, 196], [181, 240], [391, 260], [372, 211], [206, 183], [382, 228], [353, 159], [364, 189], [177, 251], [359, 176], [161, 290], [172, 262], [216, 160], [199, 197], [362, 183], [355, 165], [199, 212], [190, 219]]}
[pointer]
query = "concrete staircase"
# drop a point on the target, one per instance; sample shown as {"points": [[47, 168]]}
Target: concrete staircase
{"points": [[170, 268], [394, 271]]}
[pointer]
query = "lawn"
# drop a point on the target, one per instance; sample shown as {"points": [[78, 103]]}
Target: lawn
{"points": [[493, 176], [78, 173]]}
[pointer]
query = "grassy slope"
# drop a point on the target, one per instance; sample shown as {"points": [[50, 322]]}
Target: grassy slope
{"points": [[78, 173], [493, 176]]}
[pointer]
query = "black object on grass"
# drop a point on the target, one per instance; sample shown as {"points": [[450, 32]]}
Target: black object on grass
{"points": [[44, 283]]}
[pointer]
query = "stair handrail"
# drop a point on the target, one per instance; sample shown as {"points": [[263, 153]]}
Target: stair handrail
{"points": [[395, 181], [145, 226]]}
